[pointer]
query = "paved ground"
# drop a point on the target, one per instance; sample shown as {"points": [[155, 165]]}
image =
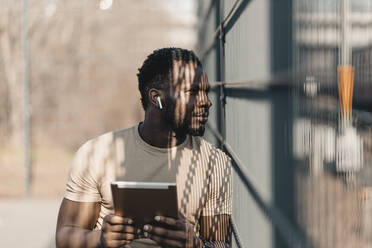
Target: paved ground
{"points": [[28, 222]]}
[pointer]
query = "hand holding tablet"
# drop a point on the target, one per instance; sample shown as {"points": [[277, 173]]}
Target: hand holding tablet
{"points": [[170, 232], [142, 201], [153, 209]]}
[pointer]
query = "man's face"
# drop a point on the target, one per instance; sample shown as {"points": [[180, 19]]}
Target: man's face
{"points": [[187, 103]]}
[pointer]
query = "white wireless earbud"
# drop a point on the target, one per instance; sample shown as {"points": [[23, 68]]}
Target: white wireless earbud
{"points": [[159, 101]]}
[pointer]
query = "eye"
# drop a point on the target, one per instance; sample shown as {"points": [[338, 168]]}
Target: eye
{"points": [[194, 91]]}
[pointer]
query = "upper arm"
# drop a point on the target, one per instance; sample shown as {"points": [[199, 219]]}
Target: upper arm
{"points": [[216, 228], [78, 214], [81, 206], [83, 180]]}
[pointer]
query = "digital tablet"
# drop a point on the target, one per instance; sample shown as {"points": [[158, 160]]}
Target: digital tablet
{"points": [[142, 201]]}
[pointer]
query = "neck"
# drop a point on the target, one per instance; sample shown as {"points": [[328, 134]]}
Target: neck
{"points": [[159, 133]]}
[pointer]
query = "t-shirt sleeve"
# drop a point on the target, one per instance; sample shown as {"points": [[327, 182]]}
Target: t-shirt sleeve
{"points": [[219, 200], [82, 183]]}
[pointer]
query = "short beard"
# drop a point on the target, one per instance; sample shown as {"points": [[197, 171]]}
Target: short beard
{"points": [[182, 128], [168, 115], [197, 132]]}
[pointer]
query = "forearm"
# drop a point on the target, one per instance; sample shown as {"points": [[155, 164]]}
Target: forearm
{"points": [[70, 236]]}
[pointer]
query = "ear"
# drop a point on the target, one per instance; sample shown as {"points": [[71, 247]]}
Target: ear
{"points": [[153, 94]]}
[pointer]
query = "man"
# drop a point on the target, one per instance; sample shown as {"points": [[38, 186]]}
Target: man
{"points": [[166, 146]]}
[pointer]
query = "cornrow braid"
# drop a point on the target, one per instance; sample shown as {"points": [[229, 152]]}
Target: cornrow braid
{"points": [[157, 70]]}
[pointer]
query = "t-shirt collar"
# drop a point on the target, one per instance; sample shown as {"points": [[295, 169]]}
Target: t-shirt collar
{"points": [[149, 147]]}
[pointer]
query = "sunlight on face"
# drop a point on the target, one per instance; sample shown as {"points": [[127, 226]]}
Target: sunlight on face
{"points": [[183, 76], [188, 97]]}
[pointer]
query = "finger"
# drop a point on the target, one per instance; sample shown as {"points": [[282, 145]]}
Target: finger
{"points": [[117, 243], [139, 234], [164, 242], [117, 220], [121, 228], [167, 220], [128, 221], [166, 233], [177, 224], [122, 236]]}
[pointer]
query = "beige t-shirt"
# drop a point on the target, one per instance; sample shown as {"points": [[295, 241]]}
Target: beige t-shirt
{"points": [[201, 171]]}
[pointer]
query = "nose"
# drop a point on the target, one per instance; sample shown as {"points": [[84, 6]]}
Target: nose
{"points": [[209, 103], [204, 101]]}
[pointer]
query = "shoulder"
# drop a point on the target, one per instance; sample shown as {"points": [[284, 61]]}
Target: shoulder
{"points": [[90, 157], [106, 139], [100, 147], [211, 150]]}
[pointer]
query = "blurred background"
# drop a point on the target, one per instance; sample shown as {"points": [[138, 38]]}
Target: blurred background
{"points": [[291, 84], [67, 74]]}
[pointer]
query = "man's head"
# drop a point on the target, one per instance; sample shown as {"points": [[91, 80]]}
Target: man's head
{"points": [[176, 76]]}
